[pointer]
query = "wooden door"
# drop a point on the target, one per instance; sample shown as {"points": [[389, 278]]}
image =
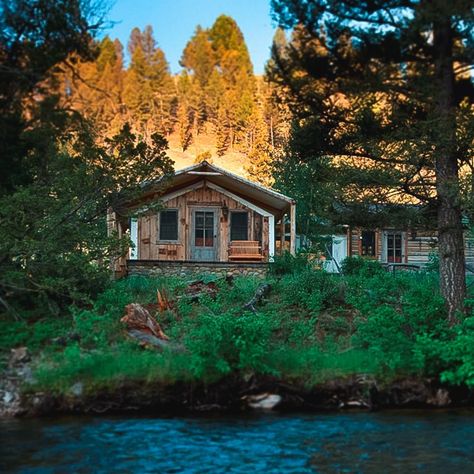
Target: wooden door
{"points": [[204, 235]]}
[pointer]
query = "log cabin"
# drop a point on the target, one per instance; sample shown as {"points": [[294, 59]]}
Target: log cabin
{"points": [[392, 246], [206, 216]]}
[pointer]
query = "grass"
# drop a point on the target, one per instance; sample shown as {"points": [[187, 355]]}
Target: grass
{"points": [[313, 327]]}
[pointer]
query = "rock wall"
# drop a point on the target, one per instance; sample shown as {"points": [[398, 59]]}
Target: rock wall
{"points": [[184, 269]]}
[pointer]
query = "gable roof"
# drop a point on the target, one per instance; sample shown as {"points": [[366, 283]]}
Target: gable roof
{"points": [[262, 196]]}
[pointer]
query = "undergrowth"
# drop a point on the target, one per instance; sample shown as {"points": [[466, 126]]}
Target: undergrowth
{"points": [[312, 327]]}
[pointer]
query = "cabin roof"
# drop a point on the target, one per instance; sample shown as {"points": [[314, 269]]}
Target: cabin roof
{"points": [[266, 198]]}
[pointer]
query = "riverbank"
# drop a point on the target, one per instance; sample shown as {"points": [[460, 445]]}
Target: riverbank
{"points": [[304, 340], [230, 395]]}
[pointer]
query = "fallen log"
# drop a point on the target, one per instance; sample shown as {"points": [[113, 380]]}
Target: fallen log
{"points": [[163, 300], [138, 318], [262, 290]]}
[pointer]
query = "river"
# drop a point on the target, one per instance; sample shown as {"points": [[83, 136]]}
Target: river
{"points": [[393, 441]]}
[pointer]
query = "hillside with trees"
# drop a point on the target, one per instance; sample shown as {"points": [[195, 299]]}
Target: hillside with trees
{"points": [[215, 106]]}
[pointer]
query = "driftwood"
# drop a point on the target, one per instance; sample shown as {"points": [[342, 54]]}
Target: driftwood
{"points": [[137, 318], [262, 291], [148, 339], [142, 327], [163, 300]]}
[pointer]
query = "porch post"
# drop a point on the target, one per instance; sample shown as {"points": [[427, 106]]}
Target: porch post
{"points": [[271, 237], [133, 253], [293, 228], [112, 226], [282, 234]]}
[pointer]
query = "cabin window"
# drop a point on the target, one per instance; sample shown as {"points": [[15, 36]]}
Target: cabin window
{"points": [[204, 229], [394, 247], [169, 224], [367, 243], [239, 224]]}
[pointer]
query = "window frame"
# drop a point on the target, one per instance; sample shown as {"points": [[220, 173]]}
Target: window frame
{"points": [[362, 246], [178, 231], [230, 224], [394, 233]]}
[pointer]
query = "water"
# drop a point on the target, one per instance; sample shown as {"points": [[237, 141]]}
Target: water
{"points": [[398, 442]]}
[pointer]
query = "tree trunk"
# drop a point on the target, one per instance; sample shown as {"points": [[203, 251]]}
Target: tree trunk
{"points": [[450, 232]]}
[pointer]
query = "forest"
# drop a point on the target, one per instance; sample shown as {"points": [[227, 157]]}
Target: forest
{"points": [[364, 115], [216, 96]]}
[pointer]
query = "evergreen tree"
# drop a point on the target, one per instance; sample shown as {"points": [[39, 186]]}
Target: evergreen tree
{"points": [[95, 88], [34, 39], [234, 65], [259, 157], [148, 89], [60, 181], [199, 57], [380, 98]]}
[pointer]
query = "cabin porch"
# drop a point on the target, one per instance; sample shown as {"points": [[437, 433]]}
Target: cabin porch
{"points": [[207, 214]]}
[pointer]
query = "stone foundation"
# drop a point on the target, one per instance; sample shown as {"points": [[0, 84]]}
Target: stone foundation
{"points": [[184, 269]]}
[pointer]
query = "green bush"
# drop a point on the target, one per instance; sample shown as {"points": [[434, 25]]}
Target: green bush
{"points": [[394, 311], [361, 266], [313, 290], [313, 326], [288, 264]]}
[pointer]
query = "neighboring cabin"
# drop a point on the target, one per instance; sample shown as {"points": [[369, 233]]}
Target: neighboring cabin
{"points": [[390, 246], [209, 217]]}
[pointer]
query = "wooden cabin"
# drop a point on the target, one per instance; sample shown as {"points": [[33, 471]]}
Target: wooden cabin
{"points": [[391, 246], [206, 214]]}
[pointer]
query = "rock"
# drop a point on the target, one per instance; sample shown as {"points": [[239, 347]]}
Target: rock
{"points": [[263, 401], [18, 356], [77, 389], [440, 399], [354, 404], [8, 397]]}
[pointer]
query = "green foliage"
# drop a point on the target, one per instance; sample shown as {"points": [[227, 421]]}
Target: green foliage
{"points": [[361, 266], [61, 179], [314, 326], [288, 263], [394, 311], [357, 156], [458, 355], [313, 290], [35, 334]]}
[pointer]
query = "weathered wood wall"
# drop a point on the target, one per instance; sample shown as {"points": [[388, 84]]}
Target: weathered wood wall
{"points": [[150, 248], [418, 245]]}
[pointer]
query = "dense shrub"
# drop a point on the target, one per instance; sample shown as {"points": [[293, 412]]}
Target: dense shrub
{"points": [[287, 263], [313, 326], [312, 290], [361, 266]]}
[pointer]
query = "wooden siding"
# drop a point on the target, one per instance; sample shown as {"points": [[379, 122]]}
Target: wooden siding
{"points": [[150, 247], [417, 246]]}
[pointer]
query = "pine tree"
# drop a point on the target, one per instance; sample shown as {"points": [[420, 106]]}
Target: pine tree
{"points": [[378, 94], [234, 65], [259, 167], [148, 89], [95, 88], [199, 57]]}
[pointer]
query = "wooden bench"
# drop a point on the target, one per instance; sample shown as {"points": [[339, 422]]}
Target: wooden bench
{"points": [[245, 250]]}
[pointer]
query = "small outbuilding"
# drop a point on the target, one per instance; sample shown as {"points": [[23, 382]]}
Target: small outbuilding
{"points": [[206, 215]]}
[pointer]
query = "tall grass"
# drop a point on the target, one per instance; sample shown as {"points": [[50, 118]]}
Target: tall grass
{"points": [[314, 326]]}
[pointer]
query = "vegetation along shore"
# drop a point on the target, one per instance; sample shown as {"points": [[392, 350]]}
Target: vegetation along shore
{"points": [[302, 339]]}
